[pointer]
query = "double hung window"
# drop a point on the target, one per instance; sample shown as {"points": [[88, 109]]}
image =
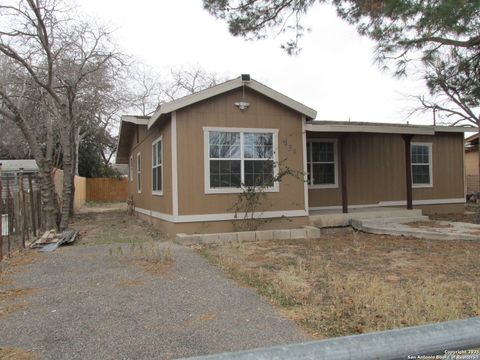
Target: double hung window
{"points": [[322, 163], [421, 157], [239, 158], [157, 167]]}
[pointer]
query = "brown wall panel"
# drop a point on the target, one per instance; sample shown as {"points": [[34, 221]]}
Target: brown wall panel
{"points": [[376, 169], [146, 200], [220, 111]]}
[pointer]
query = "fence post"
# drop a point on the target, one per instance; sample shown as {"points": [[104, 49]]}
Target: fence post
{"points": [[39, 211], [32, 206], [10, 218], [23, 211], [1, 216]]}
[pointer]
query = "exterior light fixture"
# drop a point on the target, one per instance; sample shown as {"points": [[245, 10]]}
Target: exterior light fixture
{"points": [[242, 105]]}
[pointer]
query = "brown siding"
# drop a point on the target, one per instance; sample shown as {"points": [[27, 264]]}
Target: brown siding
{"points": [[209, 227], [376, 170], [471, 163], [221, 112], [145, 200]]}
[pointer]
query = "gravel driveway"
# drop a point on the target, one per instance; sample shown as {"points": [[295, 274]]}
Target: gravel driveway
{"points": [[94, 301]]}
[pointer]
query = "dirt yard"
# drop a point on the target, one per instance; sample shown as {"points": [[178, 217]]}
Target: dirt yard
{"points": [[124, 291], [353, 282], [470, 215]]}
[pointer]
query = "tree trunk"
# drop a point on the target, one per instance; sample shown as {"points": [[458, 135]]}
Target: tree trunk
{"points": [[68, 173], [44, 164], [478, 155]]}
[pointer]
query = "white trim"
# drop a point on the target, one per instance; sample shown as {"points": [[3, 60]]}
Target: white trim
{"points": [[139, 173], [327, 126], [305, 169], [130, 168], [137, 120], [155, 214], [430, 164], [394, 203], [206, 158], [220, 217], [335, 160], [174, 164], [238, 129], [156, 141], [225, 87], [383, 128]]}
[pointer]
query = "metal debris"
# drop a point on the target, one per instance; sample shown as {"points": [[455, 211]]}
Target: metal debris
{"points": [[51, 240]]}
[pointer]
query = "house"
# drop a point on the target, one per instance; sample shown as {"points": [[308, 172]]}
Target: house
{"points": [[471, 164], [11, 170], [189, 161]]}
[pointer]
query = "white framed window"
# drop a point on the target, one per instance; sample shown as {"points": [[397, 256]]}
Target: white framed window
{"points": [[240, 157], [157, 167], [139, 173], [322, 163], [130, 168], [421, 158]]}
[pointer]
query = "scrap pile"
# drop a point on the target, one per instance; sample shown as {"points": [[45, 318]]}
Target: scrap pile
{"points": [[51, 240]]}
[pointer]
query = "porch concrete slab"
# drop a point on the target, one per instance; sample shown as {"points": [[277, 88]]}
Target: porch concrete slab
{"points": [[328, 218], [421, 229]]}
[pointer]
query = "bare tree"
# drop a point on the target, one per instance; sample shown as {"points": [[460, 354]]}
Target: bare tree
{"points": [[189, 80], [59, 55], [149, 89], [454, 84]]}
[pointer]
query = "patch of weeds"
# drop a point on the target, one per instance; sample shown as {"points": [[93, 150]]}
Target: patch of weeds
{"points": [[153, 258], [354, 282], [11, 353]]}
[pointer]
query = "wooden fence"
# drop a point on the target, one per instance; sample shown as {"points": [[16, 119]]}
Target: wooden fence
{"points": [[80, 188], [106, 190], [472, 184], [22, 218]]}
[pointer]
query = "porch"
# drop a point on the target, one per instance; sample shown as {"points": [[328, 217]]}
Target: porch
{"points": [[352, 167], [335, 217]]}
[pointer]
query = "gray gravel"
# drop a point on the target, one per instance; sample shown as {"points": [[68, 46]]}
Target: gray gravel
{"points": [[82, 311]]}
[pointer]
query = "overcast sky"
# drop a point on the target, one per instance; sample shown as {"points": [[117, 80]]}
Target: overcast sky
{"points": [[334, 74]]}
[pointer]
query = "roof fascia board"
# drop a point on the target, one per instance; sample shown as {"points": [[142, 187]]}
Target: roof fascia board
{"points": [[134, 120], [283, 99], [387, 129], [227, 86], [193, 98], [461, 129]]}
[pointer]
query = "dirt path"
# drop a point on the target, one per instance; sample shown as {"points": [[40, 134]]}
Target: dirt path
{"points": [[104, 298]]}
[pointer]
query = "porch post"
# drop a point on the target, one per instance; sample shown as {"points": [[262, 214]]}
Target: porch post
{"points": [[407, 138], [343, 167]]}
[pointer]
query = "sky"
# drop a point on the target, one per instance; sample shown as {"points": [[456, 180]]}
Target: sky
{"points": [[334, 74]]}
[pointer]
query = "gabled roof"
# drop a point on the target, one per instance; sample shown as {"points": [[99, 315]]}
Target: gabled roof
{"points": [[225, 87], [127, 125]]}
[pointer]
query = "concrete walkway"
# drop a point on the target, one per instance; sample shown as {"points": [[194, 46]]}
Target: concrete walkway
{"points": [[90, 304], [420, 228]]}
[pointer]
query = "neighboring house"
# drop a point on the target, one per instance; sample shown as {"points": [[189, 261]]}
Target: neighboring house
{"points": [[12, 169], [189, 160], [471, 164]]}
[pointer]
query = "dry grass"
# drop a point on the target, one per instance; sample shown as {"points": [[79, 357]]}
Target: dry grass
{"points": [[113, 227], [12, 300], [470, 215], [149, 255], [10, 353], [355, 282]]}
